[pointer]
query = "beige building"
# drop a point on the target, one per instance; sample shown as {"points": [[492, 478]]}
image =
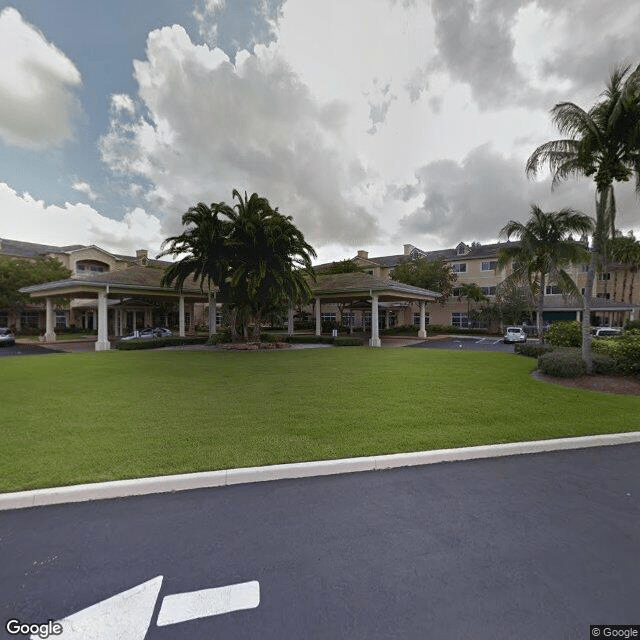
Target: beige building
{"points": [[476, 263], [138, 305]]}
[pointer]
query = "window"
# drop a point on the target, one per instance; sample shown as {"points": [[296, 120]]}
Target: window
{"points": [[490, 265], [79, 267], [456, 292], [604, 276], [328, 317], [416, 319], [488, 291], [348, 319], [369, 271], [459, 267], [30, 319], [584, 268], [4, 319], [552, 289], [603, 296], [61, 319], [97, 269], [460, 320]]}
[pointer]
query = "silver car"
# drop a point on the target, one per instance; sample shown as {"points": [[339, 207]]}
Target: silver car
{"points": [[515, 334], [7, 339]]}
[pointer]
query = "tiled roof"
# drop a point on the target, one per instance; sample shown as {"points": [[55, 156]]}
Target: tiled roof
{"points": [[363, 282]]}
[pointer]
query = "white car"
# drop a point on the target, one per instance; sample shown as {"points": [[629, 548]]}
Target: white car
{"points": [[607, 332], [515, 334], [7, 339]]}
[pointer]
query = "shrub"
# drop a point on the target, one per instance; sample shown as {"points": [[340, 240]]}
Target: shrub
{"points": [[220, 337], [347, 342], [562, 363], [604, 364], [156, 343], [565, 334], [401, 330], [625, 350], [307, 339], [632, 325], [532, 350]]}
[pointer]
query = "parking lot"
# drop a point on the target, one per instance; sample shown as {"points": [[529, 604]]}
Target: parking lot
{"points": [[469, 343]]}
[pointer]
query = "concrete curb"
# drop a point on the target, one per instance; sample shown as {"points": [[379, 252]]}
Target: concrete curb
{"points": [[183, 482]]}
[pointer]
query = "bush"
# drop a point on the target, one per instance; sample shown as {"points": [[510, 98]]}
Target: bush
{"points": [[562, 363], [309, 339], [401, 330], [632, 325], [224, 335], [565, 334], [347, 342], [604, 364], [625, 350], [532, 350], [156, 343]]}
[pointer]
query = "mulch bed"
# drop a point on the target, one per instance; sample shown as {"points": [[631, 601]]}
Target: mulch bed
{"points": [[622, 385]]}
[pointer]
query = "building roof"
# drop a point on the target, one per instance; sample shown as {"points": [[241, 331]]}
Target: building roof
{"points": [[355, 285], [19, 249]]}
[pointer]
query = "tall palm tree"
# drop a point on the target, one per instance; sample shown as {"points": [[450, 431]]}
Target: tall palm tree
{"points": [[204, 250], [270, 258], [603, 142], [545, 248]]}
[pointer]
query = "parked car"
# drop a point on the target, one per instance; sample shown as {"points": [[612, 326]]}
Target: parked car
{"points": [[7, 339], [143, 334], [515, 334], [163, 332], [607, 332]]}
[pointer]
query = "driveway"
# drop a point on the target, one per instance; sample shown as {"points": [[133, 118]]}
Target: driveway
{"points": [[526, 547], [468, 343]]}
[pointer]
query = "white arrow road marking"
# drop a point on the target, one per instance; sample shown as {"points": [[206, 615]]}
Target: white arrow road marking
{"points": [[209, 602], [125, 616]]}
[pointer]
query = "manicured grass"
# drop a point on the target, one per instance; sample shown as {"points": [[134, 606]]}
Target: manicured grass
{"points": [[73, 418]]}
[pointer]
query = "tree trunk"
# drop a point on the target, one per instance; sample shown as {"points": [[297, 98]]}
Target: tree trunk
{"points": [[541, 308], [257, 319], [233, 323], [586, 314], [633, 276]]}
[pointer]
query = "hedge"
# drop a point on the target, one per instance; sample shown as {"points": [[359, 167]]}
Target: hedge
{"points": [[562, 363], [625, 350], [157, 343], [532, 350], [567, 333], [347, 342]]}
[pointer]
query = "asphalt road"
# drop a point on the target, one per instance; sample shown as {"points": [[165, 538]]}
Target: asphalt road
{"points": [[468, 343], [22, 349], [528, 547]]}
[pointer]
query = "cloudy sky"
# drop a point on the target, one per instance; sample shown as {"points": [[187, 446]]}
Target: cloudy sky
{"points": [[373, 123]]}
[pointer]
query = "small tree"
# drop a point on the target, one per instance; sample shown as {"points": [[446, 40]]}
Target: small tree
{"points": [[435, 275], [341, 266], [18, 273]]}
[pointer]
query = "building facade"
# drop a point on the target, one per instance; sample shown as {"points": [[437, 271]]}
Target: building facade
{"points": [[615, 299]]}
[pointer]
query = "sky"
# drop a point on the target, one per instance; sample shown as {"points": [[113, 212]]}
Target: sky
{"points": [[373, 123]]}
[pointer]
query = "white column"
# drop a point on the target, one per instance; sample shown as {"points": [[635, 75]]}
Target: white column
{"points": [[578, 316], [103, 328], [318, 320], [375, 334], [386, 319], [290, 321], [422, 333], [181, 317], [213, 311], [50, 334]]}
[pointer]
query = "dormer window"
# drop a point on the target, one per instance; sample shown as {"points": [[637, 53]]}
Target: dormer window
{"points": [[91, 266], [462, 249]]}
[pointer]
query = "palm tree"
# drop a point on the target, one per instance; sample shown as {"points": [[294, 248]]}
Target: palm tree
{"points": [[472, 293], [204, 250], [603, 142], [270, 259], [545, 248]]}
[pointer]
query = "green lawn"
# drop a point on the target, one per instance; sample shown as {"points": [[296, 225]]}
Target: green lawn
{"points": [[72, 418]]}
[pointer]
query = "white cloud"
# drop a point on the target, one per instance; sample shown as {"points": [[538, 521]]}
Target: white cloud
{"points": [[122, 102], [214, 126], [37, 103], [30, 220], [84, 187]]}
